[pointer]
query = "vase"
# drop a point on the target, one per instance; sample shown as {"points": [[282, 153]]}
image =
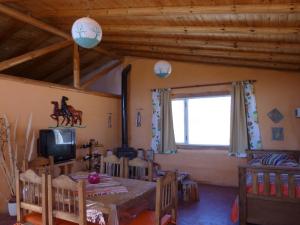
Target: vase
{"points": [[12, 208]]}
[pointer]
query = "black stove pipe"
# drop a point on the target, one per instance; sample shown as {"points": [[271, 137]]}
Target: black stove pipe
{"points": [[125, 74]]}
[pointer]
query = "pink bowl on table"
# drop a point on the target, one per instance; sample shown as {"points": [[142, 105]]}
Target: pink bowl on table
{"points": [[94, 178]]}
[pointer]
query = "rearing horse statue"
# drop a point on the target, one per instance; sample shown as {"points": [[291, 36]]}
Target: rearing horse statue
{"points": [[56, 112], [68, 113], [64, 109]]}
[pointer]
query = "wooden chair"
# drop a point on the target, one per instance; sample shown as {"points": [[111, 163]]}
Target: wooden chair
{"points": [[138, 168], [166, 203], [31, 196], [67, 203], [190, 190], [112, 166], [40, 165]]}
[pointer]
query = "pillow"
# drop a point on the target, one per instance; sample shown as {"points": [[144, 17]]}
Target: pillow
{"points": [[289, 163], [274, 159], [255, 162]]}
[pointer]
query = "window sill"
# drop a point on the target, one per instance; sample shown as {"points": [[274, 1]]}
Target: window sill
{"points": [[202, 147]]}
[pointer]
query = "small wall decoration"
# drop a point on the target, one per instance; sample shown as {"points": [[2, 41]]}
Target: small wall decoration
{"points": [[70, 116], [138, 119], [109, 120], [277, 133], [275, 115]]}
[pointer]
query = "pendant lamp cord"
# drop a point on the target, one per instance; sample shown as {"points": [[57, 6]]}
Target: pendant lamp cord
{"points": [[88, 8]]}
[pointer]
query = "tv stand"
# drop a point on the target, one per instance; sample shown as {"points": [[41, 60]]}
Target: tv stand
{"points": [[66, 167]]}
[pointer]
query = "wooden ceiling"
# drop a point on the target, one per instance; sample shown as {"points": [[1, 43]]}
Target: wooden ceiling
{"points": [[254, 33]]}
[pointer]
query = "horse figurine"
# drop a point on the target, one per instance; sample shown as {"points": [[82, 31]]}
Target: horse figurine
{"points": [[76, 115], [56, 112], [64, 109], [68, 112]]}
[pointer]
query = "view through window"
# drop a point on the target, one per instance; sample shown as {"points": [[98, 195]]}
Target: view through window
{"points": [[202, 120]]}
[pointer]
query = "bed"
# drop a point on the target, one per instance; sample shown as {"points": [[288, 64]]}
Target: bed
{"points": [[268, 194]]}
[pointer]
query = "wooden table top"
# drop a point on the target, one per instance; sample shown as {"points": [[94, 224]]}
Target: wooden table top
{"points": [[137, 189]]}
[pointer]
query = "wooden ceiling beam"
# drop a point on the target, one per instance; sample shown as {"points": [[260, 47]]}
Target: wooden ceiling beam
{"points": [[263, 34], [100, 74], [76, 66], [258, 56], [32, 21], [179, 10], [32, 55], [85, 71], [54, 63], [108, 53], [37, 23], [271, 47], [260, 34], [94, 66], [67, 68], [27, 46], [213, 60], [198, 30]]}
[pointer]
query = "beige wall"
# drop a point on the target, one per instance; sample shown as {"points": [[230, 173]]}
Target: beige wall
{"points": [[18, 99], [280, 89]]}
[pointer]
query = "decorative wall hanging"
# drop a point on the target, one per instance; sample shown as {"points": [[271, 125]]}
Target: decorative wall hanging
{"points": [[70, 116], [138, 119], [162, 69], [86, 32], [275, 115], [109, 120], [277, 133]]}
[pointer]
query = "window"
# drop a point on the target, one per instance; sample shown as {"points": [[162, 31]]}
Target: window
{"points": [[202, 120]]}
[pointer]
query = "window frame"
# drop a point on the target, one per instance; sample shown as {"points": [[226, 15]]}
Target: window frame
{"points": [[185, 97]]}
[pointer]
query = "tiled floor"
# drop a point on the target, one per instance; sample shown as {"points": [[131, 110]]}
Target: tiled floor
{"points": [[7, 220], [212, 209]]}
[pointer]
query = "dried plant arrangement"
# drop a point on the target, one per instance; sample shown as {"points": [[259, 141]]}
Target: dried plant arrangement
{"points": [[9, 157]]}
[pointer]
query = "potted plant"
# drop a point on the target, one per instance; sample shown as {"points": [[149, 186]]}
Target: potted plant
{"points": [[8, 162], [12, 206], [9, 157]]}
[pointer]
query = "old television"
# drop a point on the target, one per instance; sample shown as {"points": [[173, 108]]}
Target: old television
{"points": [[59, 143]]}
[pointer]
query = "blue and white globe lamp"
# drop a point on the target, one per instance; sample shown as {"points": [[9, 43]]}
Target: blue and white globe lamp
{"points": [[162, 69], [86, 32]]}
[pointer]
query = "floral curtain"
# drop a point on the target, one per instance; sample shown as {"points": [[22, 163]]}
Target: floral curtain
{"points": [[163, 138], [245, 132], [254, 136]]}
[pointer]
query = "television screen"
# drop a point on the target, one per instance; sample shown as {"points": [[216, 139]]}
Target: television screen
{"points": [[59, 143]]}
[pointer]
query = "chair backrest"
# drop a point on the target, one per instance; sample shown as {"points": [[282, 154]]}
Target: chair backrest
{"points": [[112, 166], [66, 200], [31, 194], [166, 197], [40, 165], [138, 168]]}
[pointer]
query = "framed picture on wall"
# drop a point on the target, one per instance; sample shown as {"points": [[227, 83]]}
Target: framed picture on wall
{"points": [[277, 133]]}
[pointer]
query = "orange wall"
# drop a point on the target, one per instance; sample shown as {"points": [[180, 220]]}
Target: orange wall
{"points": [[19, 99], [280, 89]]}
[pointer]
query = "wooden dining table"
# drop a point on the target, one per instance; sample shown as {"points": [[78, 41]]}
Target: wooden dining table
{"points": [[140, 197]]}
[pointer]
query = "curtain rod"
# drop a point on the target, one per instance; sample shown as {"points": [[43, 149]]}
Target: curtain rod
{"points": [[207, 85]]}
